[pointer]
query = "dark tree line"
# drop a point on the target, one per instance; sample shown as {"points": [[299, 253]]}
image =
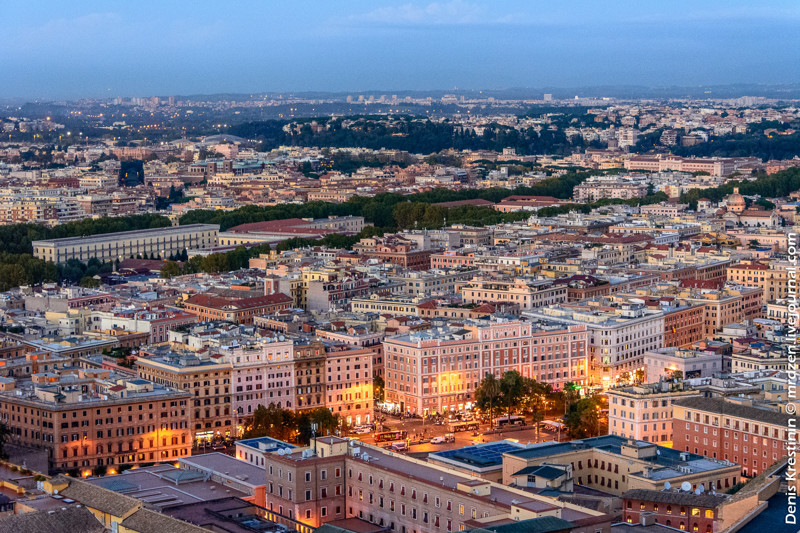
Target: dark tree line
{"points": [[418, 136]]}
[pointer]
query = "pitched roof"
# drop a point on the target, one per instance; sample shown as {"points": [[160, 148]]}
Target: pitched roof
{"points": [[675, 497], [72, 519], [216, 302], [99, 498], [147, 521], [723, 407], [543, 524]]}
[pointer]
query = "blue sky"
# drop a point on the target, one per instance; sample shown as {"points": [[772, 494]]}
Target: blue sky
{"points": [[90, 48]]}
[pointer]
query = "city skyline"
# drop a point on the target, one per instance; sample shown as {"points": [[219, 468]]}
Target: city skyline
{"points": [[95, 51]]}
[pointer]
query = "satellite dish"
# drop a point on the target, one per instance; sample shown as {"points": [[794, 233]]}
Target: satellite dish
{"points": [[698, 490], [281, 452], [701, 489], [686, 486], [667, 485], [55, 491]]}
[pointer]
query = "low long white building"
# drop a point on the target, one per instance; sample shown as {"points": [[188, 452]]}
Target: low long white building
{"points": [[161, 242]]}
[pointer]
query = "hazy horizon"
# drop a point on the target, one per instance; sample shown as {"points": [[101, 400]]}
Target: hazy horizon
{"points": [[54, 50]]}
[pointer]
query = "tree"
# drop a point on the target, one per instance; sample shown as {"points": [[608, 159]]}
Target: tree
{"points": [[272, 422], [487, 395], [170, 270], [512, 390], [326, 422], [583, 419], [4, 433], [378, 389], [534, 398], [89, 282], [676, 375]]}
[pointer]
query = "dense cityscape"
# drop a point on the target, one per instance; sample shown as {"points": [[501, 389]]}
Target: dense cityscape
{"points": [[491, 310]]}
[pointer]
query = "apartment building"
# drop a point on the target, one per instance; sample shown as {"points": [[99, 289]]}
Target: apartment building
{"points": [[661, 163], [619, 334], [96, 418], [772, 278], [310, 373], [683, 324], [262, 373], [727, 305], [425, 284], [699, 360], [160, 242], [395, 249], [155, 321], [438, 370], [527, 294], [348, 385], [595, 190], [359, 338], [449, 259], [207, 378], [731, 429], [644, 412]]}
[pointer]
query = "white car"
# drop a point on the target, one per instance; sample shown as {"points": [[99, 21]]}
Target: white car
{"points": [[438, 440]]}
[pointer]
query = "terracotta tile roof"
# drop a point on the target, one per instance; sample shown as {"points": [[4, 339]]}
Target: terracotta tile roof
{"points": [[72, 519], [216, 302]]}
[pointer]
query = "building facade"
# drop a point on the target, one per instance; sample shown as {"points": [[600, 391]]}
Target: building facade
{"points": [[156, 242]]}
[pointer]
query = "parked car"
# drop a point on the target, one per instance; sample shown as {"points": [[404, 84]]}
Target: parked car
{"points": [[438, 440], [399, 447]]}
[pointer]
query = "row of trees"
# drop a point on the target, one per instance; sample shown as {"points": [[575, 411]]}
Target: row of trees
{"points": [[514, 392], [290, 426]]}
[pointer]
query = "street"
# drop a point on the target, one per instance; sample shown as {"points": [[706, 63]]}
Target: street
{"points": [[417, 430]]}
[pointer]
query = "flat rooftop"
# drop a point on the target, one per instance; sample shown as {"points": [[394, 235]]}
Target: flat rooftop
{"points": [[164, 486], [227, 466], [437, 475], [665, 462], [479, 456]]}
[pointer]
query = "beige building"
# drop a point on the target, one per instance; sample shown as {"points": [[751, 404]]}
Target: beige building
{"points": [[644, 412], [332, 480], [96, 418], [348, 384], [161, 242], [527, 294], [613, 464], [772, 277], [208, 379]]}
